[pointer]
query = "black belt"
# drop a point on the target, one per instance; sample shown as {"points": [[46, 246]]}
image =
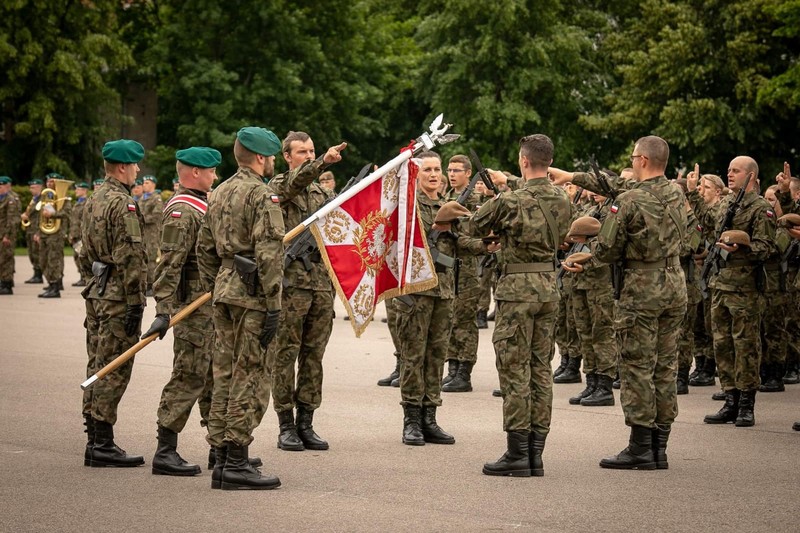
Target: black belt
{"points": [[227, 262], [653, 265]]}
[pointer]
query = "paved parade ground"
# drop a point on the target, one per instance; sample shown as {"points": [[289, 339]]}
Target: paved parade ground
{"points": [[720, 477]]}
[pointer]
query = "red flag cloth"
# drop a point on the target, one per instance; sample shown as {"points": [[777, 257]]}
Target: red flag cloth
{"points": [[373, 245]]}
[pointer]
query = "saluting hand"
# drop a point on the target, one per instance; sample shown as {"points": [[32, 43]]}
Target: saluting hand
{"points": [[333, 154]]}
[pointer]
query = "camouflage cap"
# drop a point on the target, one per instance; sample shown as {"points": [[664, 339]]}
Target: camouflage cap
{"points": [[5, 180], [82, 185], [735, 236], [36, 181], [578, 258], [199, 156], [449, 212], [585, 227], [789, 221], [259, 140], [149, 178], [123, 151]]}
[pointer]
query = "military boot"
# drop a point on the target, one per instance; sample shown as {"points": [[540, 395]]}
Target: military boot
{"points": [[412, 425], [36, 278], [48, 291], [288, 439], [616, 384], [796, 426], [462, 382], [490, 316], [5, 287], [536, 447], [699, 363], [212, 459], [88, 422], [792, 376], [239, 474], [719, 396], [80, 283], [516, 461], [602, 393], [637, 456], [591, 383], [385, 382], [497, 393], [705, 378], [480, 319], [774, 378], [167, 461], [729, 411], [106, 453], [660, 438], [220, 457], [452, 369], [60, 284], [683, 380], [431, 432], [747, 402], [53, 291], [561, 366], [305, 430], [571, 374]]}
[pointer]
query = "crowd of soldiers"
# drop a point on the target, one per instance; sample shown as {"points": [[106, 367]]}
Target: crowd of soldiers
{"points": [[603, 265]]}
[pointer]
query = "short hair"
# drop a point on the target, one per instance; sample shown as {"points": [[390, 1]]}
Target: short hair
{"points": [[538, 149], [794, 185], [464, 160], [655, 149], [714, 180], [750, 165], [327, 175], [292, 136], [109, 167], [242, 155], [427, 154]]}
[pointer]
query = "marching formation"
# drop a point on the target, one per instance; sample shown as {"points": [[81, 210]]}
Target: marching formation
{"points": [[632, 275]]}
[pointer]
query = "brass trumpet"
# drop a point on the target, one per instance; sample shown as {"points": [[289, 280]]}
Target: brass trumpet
{"points": [[52, 200]]}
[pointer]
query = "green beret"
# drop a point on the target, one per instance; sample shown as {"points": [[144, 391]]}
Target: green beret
{"points": [[139, 181], [5, 180], [149, 178], [123, 151], [82, 185], [98, 181], [199, 156], [54, 175], [175, 180], [35, 181], [259, 140]]}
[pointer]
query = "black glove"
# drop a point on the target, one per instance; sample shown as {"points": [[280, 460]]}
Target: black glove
{"points": [[133, 319], [160, 325], [270, 328]]}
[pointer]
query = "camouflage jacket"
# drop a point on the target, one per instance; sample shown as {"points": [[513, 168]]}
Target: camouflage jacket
{"points": [[469, 248], [243, 218], [111, 232], [75, 219], [176, 276], [33, 216], [646, 223], [446, 244], [707, 216], [692, 242], [526, 237], [152, 208], [9, 216]]}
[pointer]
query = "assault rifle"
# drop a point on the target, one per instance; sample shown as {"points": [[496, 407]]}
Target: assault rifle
{"points": [[572, 249], [617, 269]]}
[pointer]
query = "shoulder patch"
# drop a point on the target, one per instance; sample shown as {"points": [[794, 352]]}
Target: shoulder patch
{"points": [[176, 214], [614, 208], [699, 228], [275, 199], [770, 213], [131, 207]]}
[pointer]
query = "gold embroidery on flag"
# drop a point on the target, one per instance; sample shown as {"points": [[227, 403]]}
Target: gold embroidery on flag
{"points": [[372, 239]]}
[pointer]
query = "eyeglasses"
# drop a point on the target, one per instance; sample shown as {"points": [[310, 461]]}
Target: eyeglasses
{"points": [[633, 157], [455, 170]]}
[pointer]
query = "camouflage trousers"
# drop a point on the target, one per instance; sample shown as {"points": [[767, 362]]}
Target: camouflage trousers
{"points": [[51, 258], [486, 281], [391, 320], [648, 345], [736, 319], [152, 240], [192, 379], [523, 347], [33, 250], [703, 337], [566, 335], [240, 394], [305, 328], [105, 340], [424, 331], [6, 262], [793, 322], [686, 346], [463, 345], [593, 314], [774, 335]]}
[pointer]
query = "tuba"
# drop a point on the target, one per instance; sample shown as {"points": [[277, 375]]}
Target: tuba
{"points": [[52, 200]]}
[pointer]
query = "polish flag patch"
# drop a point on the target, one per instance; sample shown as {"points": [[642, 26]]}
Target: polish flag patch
{"points": [[131, 207], [275, 199], [176, 214], [699, 227], [770, 213], [614, 208]]}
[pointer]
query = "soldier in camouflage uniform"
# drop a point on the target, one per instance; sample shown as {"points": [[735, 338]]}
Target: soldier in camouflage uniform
{"points": [[424, 320], [9, 223], [692, 243], [75, 221], [51, 252], [31, 217], [392, 379], [113, 251], [736, 299], [532, 222], [177, 283], [307, 301], [462, 351], [152, 208], [788, 195]]}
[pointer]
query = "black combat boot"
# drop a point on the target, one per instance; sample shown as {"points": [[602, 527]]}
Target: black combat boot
{"points": [[47, 291], [212, 460], [490, 316], [396, 382], [796, 426], [305, 430], [591, 383], [637, 456], [53, 291], [773, 381], [616, 384], [60, 284], [385, 382], [705, 378], [481, 320], [792, 376], [561, 366], [462, 382], [747, 402], [452, 369], [536, 443], [239, 474], [699, 363], [220, 457], [660, 438], [88, 422], [80, 283], [516, 461], [288, 439], [106, 453], [602, 394], [497, 393], [571, 374], [412, 425], [683, 380], [431, 432], [167, 461], [719, 396], [5, 287], [729, 411], [36, 278]]}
